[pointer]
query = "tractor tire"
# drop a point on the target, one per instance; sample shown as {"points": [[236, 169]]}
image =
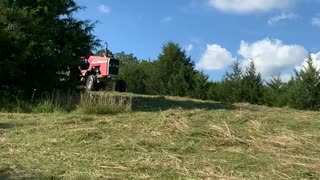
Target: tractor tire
{"points": [[121, 86], [91, 83]]}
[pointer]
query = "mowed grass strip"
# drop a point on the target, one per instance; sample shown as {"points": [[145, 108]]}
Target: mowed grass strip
{"points": [[163, 138]]}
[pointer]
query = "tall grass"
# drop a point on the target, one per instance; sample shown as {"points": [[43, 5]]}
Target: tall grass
{"points": [[104, 103], [61, 101], [57, 101]]}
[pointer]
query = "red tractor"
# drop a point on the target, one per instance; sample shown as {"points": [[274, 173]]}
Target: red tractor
{"points": [[100, 72]]}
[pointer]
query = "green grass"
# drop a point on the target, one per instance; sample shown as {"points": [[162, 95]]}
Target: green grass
{"points": [[162, 138], [61, 102], [104, 104]]}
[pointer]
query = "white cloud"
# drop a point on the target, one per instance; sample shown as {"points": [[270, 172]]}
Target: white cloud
{"points": [[285, 77], [188, 48], [316, 61], [215, 58], [167, 19], [316, 21], [250, 6], [282, 17], [272, 57], [104, 9]]}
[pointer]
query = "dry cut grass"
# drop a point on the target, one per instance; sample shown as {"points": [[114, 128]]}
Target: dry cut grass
{"points": [[177, 139]]}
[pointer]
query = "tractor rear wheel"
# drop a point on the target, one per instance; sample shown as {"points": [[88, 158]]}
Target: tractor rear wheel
{"points": [[91, 83], [121, 86]]}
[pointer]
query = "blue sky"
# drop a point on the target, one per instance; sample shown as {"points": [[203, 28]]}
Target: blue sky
{"points": [[276, 34]]}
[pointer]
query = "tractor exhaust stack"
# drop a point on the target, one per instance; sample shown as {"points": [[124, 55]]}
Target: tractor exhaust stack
{"points": [[106, 53]]}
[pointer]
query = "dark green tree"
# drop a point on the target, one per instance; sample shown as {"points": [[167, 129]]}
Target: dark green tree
{"points": [[176, 71], [276, 92], [276, 84], [38, 39], [201, 86], [232, 84], [307, 87], [131, 72], [252, 85], [216, 91], [152, 83], [127, 61]]}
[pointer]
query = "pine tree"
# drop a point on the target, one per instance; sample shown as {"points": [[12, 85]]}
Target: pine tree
{"points": [[307, 87], [276, 92], [252, 85], [232, 84], [236, 74], [216, 91], [176, 71], [201, 86], [276, 84]]}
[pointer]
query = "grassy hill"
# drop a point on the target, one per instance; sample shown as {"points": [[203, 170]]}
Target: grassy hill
{"points": [[163, 138]]}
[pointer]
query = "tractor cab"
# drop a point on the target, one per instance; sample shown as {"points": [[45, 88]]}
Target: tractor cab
{"points": [[114, 66]]}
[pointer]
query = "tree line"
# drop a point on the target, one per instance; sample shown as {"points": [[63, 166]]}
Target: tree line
{"points": [[174, 74], [40, 38]]}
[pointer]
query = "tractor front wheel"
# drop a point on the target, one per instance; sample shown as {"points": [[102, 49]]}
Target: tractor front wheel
{"points": [[91, 83]]}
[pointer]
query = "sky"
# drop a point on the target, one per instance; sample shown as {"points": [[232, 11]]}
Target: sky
{"points": [[277, 35]]}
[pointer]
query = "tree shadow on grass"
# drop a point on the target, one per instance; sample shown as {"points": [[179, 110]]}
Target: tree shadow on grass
{"points": [[8, 174], [8, 125], [153, 104], [4, 174]]}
